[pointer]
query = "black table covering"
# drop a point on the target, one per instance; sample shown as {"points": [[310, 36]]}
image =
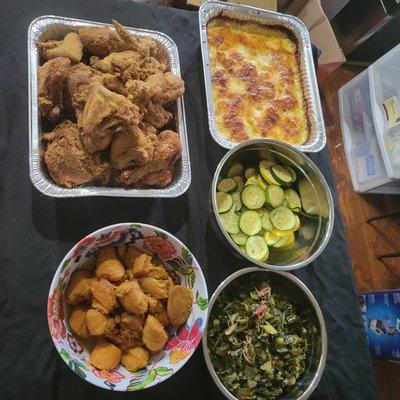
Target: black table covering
{"points": [[37, 231]]}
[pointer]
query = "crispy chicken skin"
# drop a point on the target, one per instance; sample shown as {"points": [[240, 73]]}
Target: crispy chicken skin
{"points": [[52, 78], [135, 358], [70, 47], [105, 356], [165, 87], [132, 297], [154, 335], [167, 150], [129, 330], [180, 303], [67, 160], [108, 265], [78, 289], [77, 321], [130, 147], [104, 298], [156, 115], [105, 113], [101, 41], [99, 324]]}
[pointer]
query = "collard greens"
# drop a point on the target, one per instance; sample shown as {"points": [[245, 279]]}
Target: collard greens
{"points": [[258, 342]]}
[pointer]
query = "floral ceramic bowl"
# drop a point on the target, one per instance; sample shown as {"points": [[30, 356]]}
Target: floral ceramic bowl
{"points": [[181, 345]]}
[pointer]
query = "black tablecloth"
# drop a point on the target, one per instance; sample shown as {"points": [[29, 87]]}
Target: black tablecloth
{"points": [[36, 231]]}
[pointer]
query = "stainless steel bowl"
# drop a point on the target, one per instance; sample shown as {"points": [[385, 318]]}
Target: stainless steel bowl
{"points": [[316, 361], [313, 235]]}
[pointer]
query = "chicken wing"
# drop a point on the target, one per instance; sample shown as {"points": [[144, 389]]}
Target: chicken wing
{"points": [[165, 87], [105, 114], [70, 47], [167, 150], [52, 78], [68, 162], [130, 147], [157, 115]]}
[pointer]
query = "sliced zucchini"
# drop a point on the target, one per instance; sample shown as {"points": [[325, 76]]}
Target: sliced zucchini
{"points": [[230, 221], [239, 238], [297, 223], [265, 164], [274, 195], [271, 239], [227, 185], [261, 211], [224, 202], [261, 183], [250, 223], [257, 248], [282, 218], [253, 197], [281, 174], [309, 199], [279, 233], [235, 170], [281, 243], [267, 175], [236, 200], [293, 199], [239, 182], [292, 172], [251, 181], [250, 172], [266, 222], [290, 241]]}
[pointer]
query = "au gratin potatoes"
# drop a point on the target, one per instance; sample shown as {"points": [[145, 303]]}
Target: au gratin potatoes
{"points": [[256, 83]]}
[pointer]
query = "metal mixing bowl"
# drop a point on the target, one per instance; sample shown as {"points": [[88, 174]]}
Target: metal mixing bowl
{"points": [[315, 362], [313, 234]]}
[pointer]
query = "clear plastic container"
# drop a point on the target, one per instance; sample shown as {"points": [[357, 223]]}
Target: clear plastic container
{"points": [[367, 168], [384, 80]]}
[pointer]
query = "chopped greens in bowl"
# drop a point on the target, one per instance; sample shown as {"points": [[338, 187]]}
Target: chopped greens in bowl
{"points": [[264, 336]]}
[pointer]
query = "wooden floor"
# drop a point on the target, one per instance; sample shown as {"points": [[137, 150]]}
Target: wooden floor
{"points": [[365, 241]]}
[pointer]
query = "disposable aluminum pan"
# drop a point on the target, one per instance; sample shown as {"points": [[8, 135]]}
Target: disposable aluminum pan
{"points": [[211, 9], [51, 27]]}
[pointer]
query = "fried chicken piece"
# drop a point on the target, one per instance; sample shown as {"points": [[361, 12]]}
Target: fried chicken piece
{"points": [[154, 335], [101, 41], [167, 150], [52, 78], [156, 288], [130, 147], [135, 358], [67, 160], [105, 356], [130, 330], [70, 47], [138, 92], [157, 309], [148, 129], [77, 321], [157, 115], [78, 289], [105, 113], [80, 77], [131, 254], [124, 65], [142, 266], [158, 179], [132, 297], [108, 265], [104, 298], [180, 304], [99, 324], [165, 87], [150, 66]]}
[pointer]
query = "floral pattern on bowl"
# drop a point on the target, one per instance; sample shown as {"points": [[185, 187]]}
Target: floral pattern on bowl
{"points": [[181, 345]]}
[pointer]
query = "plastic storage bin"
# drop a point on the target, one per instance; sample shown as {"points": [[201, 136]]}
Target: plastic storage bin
{"points": [[369, 142]]}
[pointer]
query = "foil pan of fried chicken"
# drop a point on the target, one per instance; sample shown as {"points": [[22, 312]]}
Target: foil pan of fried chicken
{"points": [[107, 114]]}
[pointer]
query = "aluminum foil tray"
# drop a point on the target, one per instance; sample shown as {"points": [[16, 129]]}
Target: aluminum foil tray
{"points": [[52, 27], [211, 9]]}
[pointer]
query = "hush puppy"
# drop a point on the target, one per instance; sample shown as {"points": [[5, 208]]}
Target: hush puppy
{"points": [[135, 358], [108, 265], [78, 289], [132, 298], [104, 298], [154, 335], [179, 306], [99, 324], [105, 356], [77, 321]]}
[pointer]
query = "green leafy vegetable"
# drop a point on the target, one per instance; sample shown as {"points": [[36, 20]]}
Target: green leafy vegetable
{"points": [[259, 339]]}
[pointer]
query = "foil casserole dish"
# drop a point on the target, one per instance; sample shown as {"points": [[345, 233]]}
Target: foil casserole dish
{"points": [[52, 27], [211, 9]]}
